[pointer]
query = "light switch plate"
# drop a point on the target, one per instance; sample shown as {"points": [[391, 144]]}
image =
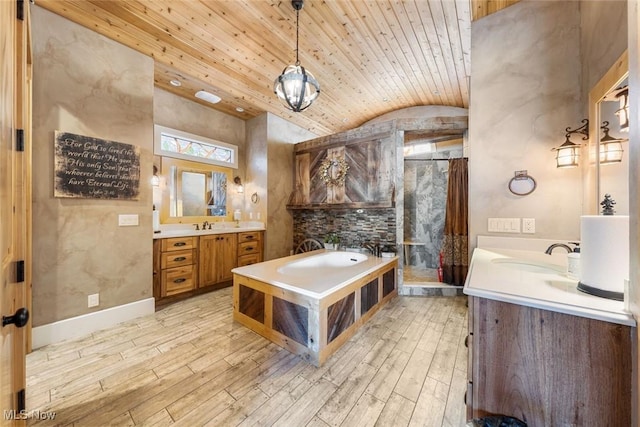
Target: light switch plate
{"points": [[128, 220]]}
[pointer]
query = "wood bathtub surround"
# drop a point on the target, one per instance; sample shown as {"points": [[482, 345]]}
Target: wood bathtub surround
{"points": [[547, 368], [313, 328]]}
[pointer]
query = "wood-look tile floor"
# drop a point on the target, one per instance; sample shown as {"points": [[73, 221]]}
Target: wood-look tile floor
{"points": [[190, 364]]}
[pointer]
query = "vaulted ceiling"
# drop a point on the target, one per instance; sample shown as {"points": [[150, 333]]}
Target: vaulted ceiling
{"points": [[370, 56]]}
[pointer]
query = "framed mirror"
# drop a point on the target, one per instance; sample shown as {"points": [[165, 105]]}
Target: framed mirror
{"points": [[607, 171], [194, 192]]}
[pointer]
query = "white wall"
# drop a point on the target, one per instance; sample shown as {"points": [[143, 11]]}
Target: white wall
{"points": [[525, 89]]}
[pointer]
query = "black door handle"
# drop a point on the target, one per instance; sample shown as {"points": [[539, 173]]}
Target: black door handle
{"points": [[19, 318]]}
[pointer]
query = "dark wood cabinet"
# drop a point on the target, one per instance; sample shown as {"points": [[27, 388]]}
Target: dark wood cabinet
{"points": [[547, 368]]}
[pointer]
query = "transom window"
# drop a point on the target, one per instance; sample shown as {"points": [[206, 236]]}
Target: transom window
{"points": [[182, 145]]}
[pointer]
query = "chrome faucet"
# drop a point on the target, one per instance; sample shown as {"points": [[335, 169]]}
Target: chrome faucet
{"points": [[558, 245], [204, 225]]}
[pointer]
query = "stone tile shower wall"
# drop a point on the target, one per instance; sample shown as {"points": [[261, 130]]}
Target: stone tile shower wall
{"points": [[425, 197], [372, 225]]}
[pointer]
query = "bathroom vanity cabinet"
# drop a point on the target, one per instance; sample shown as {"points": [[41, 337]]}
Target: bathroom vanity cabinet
{"points": [[217, 258], [187, 266], [547, 368]]}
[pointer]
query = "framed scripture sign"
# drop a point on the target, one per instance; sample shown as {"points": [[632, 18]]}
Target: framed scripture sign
{"points": [[93, 168]]}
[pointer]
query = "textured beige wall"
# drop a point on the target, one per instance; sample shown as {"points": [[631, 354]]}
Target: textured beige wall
{"points": [[89, 85], [281, 137], [525, 82], [269, 173], [603, 38]]}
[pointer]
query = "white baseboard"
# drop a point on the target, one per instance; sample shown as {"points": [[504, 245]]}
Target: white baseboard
{"points": [[87, 323]]}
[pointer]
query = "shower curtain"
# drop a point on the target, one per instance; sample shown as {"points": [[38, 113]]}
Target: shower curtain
{"points": [[455, 243]]}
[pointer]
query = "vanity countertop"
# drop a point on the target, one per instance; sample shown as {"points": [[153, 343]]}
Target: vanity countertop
{"points": [[535, 279], [187, 230]]}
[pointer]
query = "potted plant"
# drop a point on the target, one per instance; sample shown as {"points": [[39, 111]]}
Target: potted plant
{"points": [[331, 241]]}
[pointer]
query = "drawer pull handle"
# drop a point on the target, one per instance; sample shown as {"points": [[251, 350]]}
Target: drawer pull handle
{"points": [[466, 341], [179, 280], [180, 258], [249, 237], [249, 248], [180, 244]]}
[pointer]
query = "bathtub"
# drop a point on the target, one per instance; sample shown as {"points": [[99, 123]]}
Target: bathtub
{"points": [[319, 264], [312, 303]]}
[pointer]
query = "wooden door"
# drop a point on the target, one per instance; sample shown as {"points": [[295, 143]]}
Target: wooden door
{"points": [[14, 114]]}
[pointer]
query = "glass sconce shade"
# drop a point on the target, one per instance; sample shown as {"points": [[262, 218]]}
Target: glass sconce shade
{"points": [[239, 186], [296, 87], [623, 112], [567, 155], [155, 179], [610, 152]]}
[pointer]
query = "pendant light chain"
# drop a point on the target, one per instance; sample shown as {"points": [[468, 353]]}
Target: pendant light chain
{"points": [[297, 34]]}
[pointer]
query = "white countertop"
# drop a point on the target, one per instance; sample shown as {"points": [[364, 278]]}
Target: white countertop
{"points": [[187, 230], [548, 290], [313, 284]]}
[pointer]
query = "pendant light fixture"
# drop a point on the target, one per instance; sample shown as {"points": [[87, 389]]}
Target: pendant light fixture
{"points": [[296, 87], [568, 154]]}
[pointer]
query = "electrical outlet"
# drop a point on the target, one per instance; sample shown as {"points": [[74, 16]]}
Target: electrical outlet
{"points": [[529, 225], [93, 300]]}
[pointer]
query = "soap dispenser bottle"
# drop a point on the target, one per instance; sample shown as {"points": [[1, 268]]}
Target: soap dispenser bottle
{"points": [[573, 262]]}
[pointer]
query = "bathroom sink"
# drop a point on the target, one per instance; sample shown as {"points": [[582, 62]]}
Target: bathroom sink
{"points": [[528, 266]]}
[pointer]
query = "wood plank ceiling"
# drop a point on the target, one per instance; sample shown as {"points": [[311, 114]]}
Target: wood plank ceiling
{"points": [[370, 56]]}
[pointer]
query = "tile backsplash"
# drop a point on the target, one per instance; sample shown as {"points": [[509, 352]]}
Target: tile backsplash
{"points": [[353, 226]]}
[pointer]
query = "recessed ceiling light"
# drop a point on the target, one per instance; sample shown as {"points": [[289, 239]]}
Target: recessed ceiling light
{"points": [[207, 96], [175, 83], [239, 109], [385, 99]]}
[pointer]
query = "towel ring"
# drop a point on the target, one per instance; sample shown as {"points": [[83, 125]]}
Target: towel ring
{"points": [[522, 184]]}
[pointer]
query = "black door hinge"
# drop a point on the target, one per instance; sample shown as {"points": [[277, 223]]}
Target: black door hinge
{"points": [[21, 401], [20, 11], [20, 271], [19, 139]]}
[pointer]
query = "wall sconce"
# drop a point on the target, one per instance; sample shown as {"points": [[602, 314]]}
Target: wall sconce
{"points": [[610, 147], [239, 186], [155, 179], [568, 154], [622, 94]]}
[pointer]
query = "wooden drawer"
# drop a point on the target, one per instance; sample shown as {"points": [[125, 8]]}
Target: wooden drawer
{"points": [[177, 280], [178, 258], [249, 236], [247, 248], [248, 259], [179, 243]]}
